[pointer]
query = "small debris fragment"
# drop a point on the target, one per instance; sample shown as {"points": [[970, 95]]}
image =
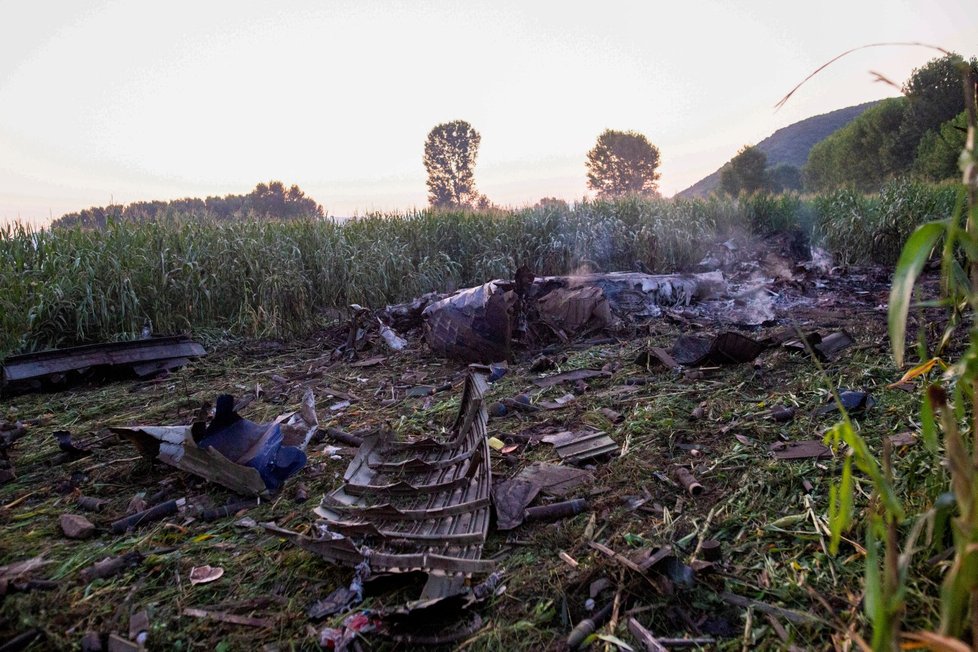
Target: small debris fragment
{"points": [[570, 377], [205, 574], [586, 627], [555, 511], [782, 413], [232, 619], [711, 550], [68, 448], [800, 450], [556, 404], [542, 363], [369, 362], [228, 510], [903, 439], [92, 642], [830, 346], [150, 515], [75, 526], [687, 480], [570, 561], [853, 401], [577, 446], [393, 341], [139, 627], [111, 566], [242, 455], [726, 348], [137, 503]]}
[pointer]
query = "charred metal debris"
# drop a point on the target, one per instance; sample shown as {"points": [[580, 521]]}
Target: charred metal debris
{"points": [[58, 368]]}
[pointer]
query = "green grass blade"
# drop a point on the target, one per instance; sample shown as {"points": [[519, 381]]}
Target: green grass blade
{"points": [[912, 259]]}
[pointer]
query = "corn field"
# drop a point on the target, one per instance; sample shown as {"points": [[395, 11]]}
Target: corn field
{"points": [[274, 279]]}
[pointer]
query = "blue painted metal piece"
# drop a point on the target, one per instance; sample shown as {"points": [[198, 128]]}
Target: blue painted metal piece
{"points": [[258, 445]]}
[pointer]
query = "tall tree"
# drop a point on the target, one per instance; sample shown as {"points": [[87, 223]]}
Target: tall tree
{"points": [[934, 92], [745, 172], [623, 163], [449, 158]]}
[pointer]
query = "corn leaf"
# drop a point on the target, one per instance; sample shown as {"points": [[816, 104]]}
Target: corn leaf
{"points": [[912, 259]]}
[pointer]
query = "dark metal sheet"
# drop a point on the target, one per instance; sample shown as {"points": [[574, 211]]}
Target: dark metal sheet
{"points": [[37, 366]]}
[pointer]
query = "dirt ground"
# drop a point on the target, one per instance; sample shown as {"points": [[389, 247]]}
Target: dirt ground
{"points": [[767, 514]]}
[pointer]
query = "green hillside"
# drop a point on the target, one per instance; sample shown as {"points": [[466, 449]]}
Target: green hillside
{"points": [[789, 145]]}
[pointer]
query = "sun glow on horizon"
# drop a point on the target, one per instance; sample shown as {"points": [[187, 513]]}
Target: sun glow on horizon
{"points": [[125, 101]]}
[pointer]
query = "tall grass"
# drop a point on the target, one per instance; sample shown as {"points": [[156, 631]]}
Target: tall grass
{"points": [[274, 279], [861, 229]]}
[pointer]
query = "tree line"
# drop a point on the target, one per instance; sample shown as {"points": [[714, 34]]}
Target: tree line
{"points": [[268, 200], [919, 134]]}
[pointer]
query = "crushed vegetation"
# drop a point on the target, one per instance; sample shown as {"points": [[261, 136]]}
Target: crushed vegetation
{"points": [[752, 522]]}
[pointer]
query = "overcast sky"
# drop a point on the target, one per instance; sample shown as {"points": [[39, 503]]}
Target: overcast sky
{"points": [[125, 101]]}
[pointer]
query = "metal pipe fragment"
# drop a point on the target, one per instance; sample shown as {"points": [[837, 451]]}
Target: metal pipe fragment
{"points": [[343, 437], [227, 510], [587, 626], [111, 566], [556, 511], [150, 515], [92, 504], [711, 551], [688, 480]]}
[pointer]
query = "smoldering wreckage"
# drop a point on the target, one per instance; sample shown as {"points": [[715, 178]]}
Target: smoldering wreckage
{"points": [[425, 507]]}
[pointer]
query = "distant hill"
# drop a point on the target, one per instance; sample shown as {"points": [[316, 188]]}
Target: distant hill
{"points": [[789, 145]]}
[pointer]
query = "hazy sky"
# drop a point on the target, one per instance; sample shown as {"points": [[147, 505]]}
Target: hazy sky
{"points": [[136, 100]]}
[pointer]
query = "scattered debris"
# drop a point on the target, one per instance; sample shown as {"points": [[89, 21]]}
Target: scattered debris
{"points": [[370, 362], [827, 348], [479, 324], [794, 617], [92, 642], [512, 497], [233, 619], [725, 348], [139, 627], [61, 367], [711, 550], [567, 559], [76, 527], [570, 377]]}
